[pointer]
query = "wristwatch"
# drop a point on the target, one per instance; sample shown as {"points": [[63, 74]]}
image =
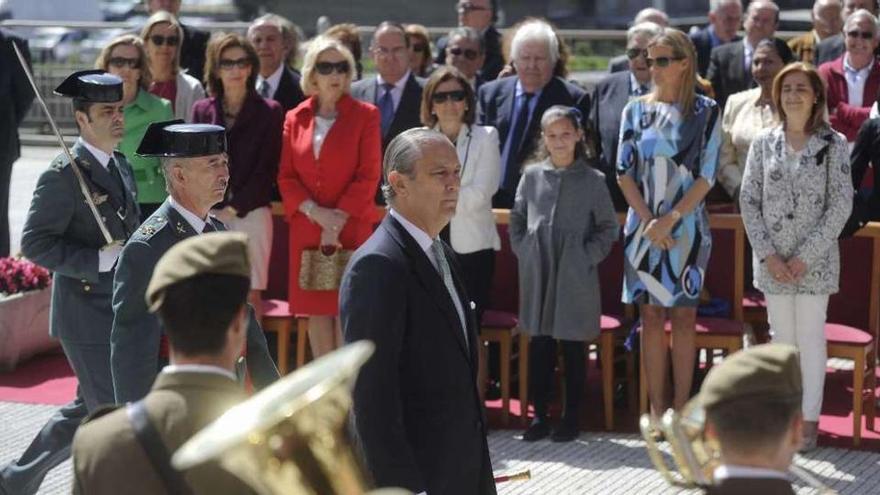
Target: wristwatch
{"points": [[675, 214]]}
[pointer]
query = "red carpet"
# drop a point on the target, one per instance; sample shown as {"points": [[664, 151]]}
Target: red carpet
{"points": [[44, 379]]}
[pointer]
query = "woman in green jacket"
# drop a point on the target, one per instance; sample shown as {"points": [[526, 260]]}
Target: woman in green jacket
{"points": [[125, 57]]}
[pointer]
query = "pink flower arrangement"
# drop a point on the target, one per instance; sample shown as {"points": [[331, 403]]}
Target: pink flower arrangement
{"points": [[20, 275]]}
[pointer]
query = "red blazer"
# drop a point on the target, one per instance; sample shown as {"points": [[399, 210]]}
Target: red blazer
{"points": [[846, 118]]}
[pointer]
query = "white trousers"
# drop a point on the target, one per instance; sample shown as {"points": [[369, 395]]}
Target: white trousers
{"points": [[257, 224], [799, 320]]}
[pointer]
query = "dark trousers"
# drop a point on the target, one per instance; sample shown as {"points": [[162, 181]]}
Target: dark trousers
{"points": [[542, 359], [5, 178], [477, 268]]}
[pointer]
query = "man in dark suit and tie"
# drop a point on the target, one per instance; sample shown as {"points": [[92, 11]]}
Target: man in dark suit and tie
{"points": [[725, 17], [730, 64], [479, 15], [832, 47], [13, 107], [612, 94], [650, 14], [417, 416], [273, 38], [514, 105], [466, 53], [195, 41]]}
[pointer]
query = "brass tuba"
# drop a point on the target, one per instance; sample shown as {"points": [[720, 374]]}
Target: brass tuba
{"points": [[291, 437], [694, 455]]}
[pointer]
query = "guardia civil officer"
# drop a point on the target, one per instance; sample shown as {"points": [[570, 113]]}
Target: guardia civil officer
{"points": [[195, 166], [64, 235]]}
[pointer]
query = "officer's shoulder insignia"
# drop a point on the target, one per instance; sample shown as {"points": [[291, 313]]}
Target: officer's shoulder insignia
{"points": [[150, 227], [101, 411]]}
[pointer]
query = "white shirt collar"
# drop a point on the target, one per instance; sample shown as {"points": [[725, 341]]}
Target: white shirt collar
{"points": [[102, 157], [274, 80], [198, 368], [191, 218], [849, 68], [399, 85], [634, 84], [726, 471], [422, 238]]}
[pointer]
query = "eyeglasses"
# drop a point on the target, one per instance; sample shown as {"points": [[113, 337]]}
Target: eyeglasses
{"points": [[419, 47], [442, 97], [661, 62], [327, 68], [228, 64], [468, 53], [121, 62], [634, 53], [464, 8], [160, 40], [389, 52], [865, 35]]}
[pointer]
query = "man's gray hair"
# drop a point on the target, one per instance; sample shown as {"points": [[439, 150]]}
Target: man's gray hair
{"points": [[167, 163], [402, 154], [859, 15], [762, 4], [647, 29], [284, 26], [818, 4], [714, 5], [649, 13], [469, 34], [535, 30]]}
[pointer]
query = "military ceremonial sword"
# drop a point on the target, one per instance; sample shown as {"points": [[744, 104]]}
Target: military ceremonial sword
{"points": [[73, 163]]}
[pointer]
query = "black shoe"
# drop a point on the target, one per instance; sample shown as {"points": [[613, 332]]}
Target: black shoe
{"points": [[493, 390], [565, 432], [538, 430]]}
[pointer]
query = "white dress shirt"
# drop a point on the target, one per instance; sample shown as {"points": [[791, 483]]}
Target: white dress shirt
{"points": [[726, 471], [198, 368], [396, 91], [191, 218], [102, 157], [274, 80], [855, 81]]}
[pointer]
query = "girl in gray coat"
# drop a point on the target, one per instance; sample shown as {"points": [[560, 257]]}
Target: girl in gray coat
{"points": [[561, 226]]}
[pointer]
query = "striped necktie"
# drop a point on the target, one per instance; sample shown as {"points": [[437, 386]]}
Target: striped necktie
{"points": [[446, 274]]}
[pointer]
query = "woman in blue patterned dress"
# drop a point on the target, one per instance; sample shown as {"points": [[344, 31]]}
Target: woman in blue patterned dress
{"points": [[669, 145]]}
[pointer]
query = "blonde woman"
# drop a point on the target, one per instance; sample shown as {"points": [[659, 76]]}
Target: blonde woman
{"points": [[125, 57], [162, 37], [668, 153], [329, 172]]}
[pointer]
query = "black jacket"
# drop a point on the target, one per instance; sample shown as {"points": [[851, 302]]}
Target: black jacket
{"points": [[609, 97], [866, 150], [289, 93], [192, 52], [727, 71], [408, 110], [703, 44]]}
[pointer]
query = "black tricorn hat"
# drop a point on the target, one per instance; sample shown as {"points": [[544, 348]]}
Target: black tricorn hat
{"points": [[94, 86], [176, 138]]}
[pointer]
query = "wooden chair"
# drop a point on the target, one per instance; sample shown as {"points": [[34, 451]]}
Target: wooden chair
{"points": [[851, 343], [501, 327]]}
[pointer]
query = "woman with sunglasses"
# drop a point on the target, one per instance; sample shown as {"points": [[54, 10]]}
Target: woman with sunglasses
{"points": [[449, 106], [420, 60], [667, 157], [125, 57], [796, 197], [162, 37], [331, 156], [253, 135], [853, 79]]}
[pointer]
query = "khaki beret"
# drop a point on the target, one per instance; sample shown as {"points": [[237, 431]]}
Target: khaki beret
{"points": [[218, 253], [767, 371]]}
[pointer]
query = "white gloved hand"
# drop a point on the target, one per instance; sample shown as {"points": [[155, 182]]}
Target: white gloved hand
{"points": [[108, 255]]}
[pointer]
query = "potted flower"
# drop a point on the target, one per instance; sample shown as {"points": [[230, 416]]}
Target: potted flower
{"points": [[24, 311]]}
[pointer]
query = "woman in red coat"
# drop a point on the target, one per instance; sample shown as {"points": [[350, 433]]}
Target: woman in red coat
{"points": [[329, 172]]}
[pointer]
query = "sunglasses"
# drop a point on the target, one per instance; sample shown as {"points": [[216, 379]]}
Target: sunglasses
{"points": [[634, 53], [661, 62], [228, 63], [865, 35], [419, 47], [457, 96], [160, 40], [121, 62], [327, 68], [468, 53]]}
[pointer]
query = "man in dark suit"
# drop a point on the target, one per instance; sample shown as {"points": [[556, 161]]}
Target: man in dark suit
{"points": [[479, 15], [62, 234], [466, 53], [730, 64], [612, 94], [832, 47], [195, 167], [417, 415], [199, 290], [514, 105], [195, 41], [13, 107], [827, 22], [725, 17], [752, 402], [650, 14], [273, 38]]}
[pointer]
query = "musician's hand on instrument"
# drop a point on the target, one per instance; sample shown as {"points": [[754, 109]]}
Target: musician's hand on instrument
{"points": [[108, 255]]}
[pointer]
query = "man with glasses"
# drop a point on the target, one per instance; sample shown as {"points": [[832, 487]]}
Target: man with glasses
{"points": [[612, 94], [479, 15], [833, 47], [725, 17], [195, 42], [465, 52], [730, 64], [650, 14], [827, 22], [272, 37], [395, 90]]}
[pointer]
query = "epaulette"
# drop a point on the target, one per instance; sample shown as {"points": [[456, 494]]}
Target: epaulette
{"points": [[100, 412], [149, 228]]}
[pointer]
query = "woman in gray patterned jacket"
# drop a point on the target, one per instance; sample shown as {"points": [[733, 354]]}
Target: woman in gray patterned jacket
{"points": [[796, 197]]}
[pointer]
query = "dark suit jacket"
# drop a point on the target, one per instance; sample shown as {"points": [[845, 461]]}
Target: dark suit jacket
{"points": [[289, 93], [829, 49], [751, 486], [108, 458], [727, 71], [17, 99], [408, 111], [703, 44], [867, 151], [494, 61], [192, 51], [496, 104], [609, 97], [618, 64], [417, 415]]}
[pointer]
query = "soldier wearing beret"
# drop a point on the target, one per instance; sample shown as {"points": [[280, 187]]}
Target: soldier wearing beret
{"points": [[753, 409], [63, 234], [194, 163], [198, 290]]}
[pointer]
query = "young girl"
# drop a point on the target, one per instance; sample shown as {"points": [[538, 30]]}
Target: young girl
{"points": [[561, 226]]}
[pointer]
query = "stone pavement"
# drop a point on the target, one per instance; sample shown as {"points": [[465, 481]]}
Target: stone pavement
{"points": [[595, 463]]}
